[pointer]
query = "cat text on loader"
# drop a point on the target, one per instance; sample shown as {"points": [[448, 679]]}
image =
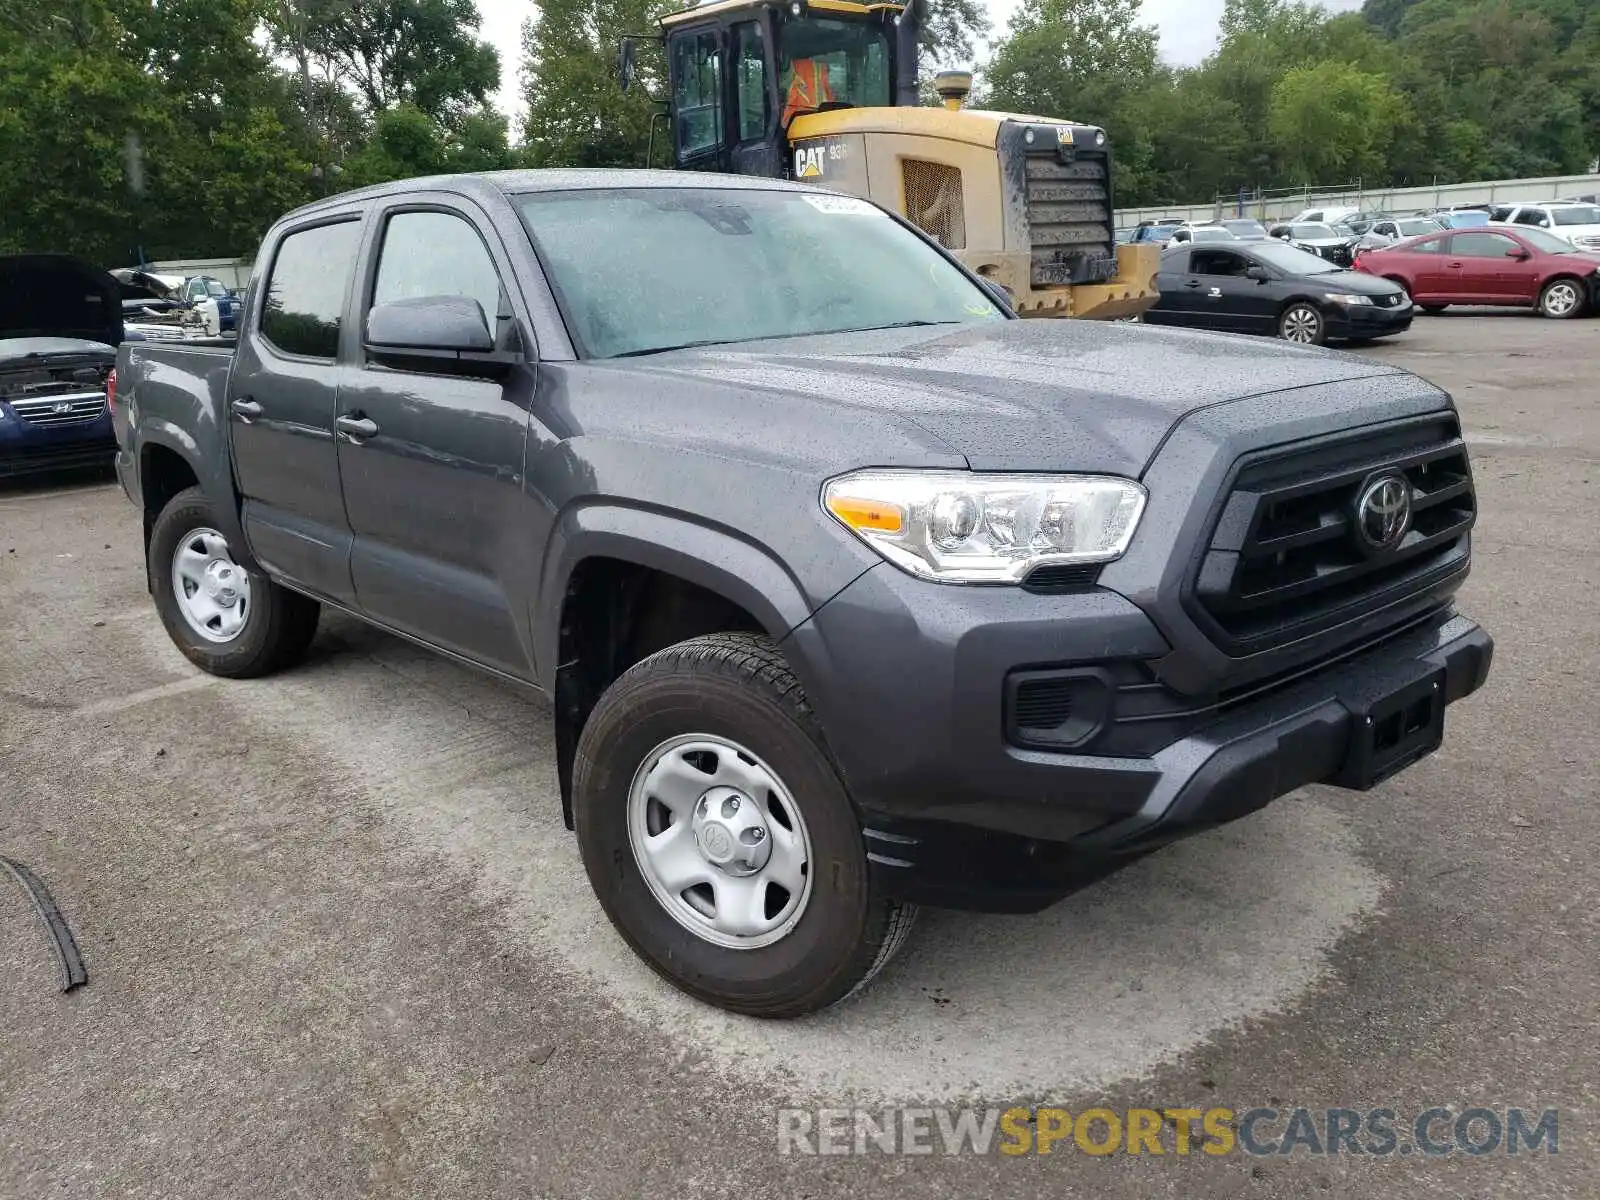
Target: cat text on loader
{"points": [[826, 91]]}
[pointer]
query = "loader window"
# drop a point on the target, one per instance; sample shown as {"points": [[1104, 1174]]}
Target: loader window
{"points": [[754, 103], [852, 55], [697, 93]]}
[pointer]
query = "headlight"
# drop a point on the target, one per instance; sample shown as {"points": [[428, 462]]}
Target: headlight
{"points": [[961, 527], [1348, 299]]}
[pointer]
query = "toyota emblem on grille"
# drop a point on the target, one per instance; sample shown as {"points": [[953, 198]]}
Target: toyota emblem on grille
{"points": [[61, 406], [1383, 512]]}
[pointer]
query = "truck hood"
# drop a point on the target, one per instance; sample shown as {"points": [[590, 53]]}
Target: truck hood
{"points": [[1009, 395], [58, 296]]}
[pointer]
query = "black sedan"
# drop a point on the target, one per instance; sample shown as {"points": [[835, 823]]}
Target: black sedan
{"points": [[1270, 288]]}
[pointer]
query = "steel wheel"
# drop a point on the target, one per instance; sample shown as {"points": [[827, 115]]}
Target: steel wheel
{"points": [[720, 841], [1302, 325], [212, 591], [1561, 299]]}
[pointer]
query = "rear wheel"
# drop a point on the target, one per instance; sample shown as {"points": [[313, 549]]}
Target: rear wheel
{"points": [[1302, 324], [718, 835], [1561, 299], [226, 620]]}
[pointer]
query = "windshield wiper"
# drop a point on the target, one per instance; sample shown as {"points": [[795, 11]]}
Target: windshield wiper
{"points": [[898, 325], [679, 346]]}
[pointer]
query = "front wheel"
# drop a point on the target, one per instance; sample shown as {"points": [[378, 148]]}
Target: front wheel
{"points": [[719, 837], [226, 620], [1302, 324], [1433, 310], [1561, 299]]}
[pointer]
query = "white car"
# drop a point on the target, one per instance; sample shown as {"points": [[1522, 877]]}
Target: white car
{"points": [[1185, 234], [1332, 216], [1578, 224]]}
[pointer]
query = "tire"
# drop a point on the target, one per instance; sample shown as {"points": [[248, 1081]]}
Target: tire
{"points": [[263, 627], [1302, 324], [733, 693], [1562, 299], [1433, 310]]}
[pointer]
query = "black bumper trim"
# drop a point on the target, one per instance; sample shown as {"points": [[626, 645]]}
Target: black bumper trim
{"points": [[1233, 767]]}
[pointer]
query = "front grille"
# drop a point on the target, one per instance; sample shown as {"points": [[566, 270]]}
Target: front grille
{"points": [[1394, 300], [61, 409], [933, 201], [1069, 219], [1286, 559]]}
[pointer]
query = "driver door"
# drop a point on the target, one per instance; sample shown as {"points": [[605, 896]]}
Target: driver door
{"points": [[1220, 294]]}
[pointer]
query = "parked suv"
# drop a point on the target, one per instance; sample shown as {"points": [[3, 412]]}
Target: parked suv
{"points": [[849, 590], [1577, 224]]}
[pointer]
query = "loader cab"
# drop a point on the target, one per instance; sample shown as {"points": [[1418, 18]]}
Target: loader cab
{"points": [[739, 72]]}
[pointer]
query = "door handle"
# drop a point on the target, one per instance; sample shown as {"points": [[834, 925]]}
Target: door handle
{"points": [[245, 409], [1453, 266], [1194, 283], [357, 427]]}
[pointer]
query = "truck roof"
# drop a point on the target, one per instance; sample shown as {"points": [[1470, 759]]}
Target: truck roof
{"points": [[490, 183]]}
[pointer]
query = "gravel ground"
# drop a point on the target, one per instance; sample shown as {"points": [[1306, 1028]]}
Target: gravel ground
{"points": [[339, 944]]}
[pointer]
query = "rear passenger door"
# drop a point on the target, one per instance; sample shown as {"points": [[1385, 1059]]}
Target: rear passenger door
{"points": [[284, 388], [433, 489]]}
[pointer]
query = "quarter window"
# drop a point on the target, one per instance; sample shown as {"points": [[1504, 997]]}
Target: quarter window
{"points": [[306, 292], [436, 254], [697, 93]]}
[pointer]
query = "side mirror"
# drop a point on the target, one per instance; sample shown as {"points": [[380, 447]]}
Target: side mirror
{"points": [[437, 333], [1257, 272], [1518, 253], [625, 62]]}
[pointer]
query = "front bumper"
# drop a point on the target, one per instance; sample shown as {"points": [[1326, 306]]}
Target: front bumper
{"points": [[955, 815], [1368, 320], [26, 449]]}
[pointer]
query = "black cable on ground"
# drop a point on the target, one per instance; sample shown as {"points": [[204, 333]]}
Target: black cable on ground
{"points": [[68, 959]]}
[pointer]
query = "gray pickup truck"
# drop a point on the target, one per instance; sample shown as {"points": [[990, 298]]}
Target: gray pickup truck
{"points": [[850, 592]]}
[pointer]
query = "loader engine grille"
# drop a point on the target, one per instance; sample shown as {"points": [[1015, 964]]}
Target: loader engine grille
{"points": [[933, 201], [1069, 219]]}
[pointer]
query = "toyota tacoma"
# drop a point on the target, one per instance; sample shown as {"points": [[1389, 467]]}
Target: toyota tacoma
{"points": [[850, 592]]}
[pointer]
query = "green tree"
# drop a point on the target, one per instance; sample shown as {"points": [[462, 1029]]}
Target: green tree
{"points": [[425, 53], [577, 113], [1334, 121]]}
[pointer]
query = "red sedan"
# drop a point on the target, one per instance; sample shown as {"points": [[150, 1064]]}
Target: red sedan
{"points": [[1524, 268]]}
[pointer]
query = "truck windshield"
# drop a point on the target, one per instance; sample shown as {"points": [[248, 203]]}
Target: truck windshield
{"points": [[823, 61], [646, 269]]}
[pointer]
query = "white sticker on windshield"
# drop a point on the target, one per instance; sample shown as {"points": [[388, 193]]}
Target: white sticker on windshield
{"points": [[847, 206]]}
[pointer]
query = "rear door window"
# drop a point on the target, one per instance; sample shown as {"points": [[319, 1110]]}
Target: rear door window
{"points": [[303, 300]]}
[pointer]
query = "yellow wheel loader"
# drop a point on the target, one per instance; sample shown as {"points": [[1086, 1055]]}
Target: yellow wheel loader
{"points": [[826, 91]]}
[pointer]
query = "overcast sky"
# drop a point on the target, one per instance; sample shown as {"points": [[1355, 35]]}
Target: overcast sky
{"points": [[1188, 32]]}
